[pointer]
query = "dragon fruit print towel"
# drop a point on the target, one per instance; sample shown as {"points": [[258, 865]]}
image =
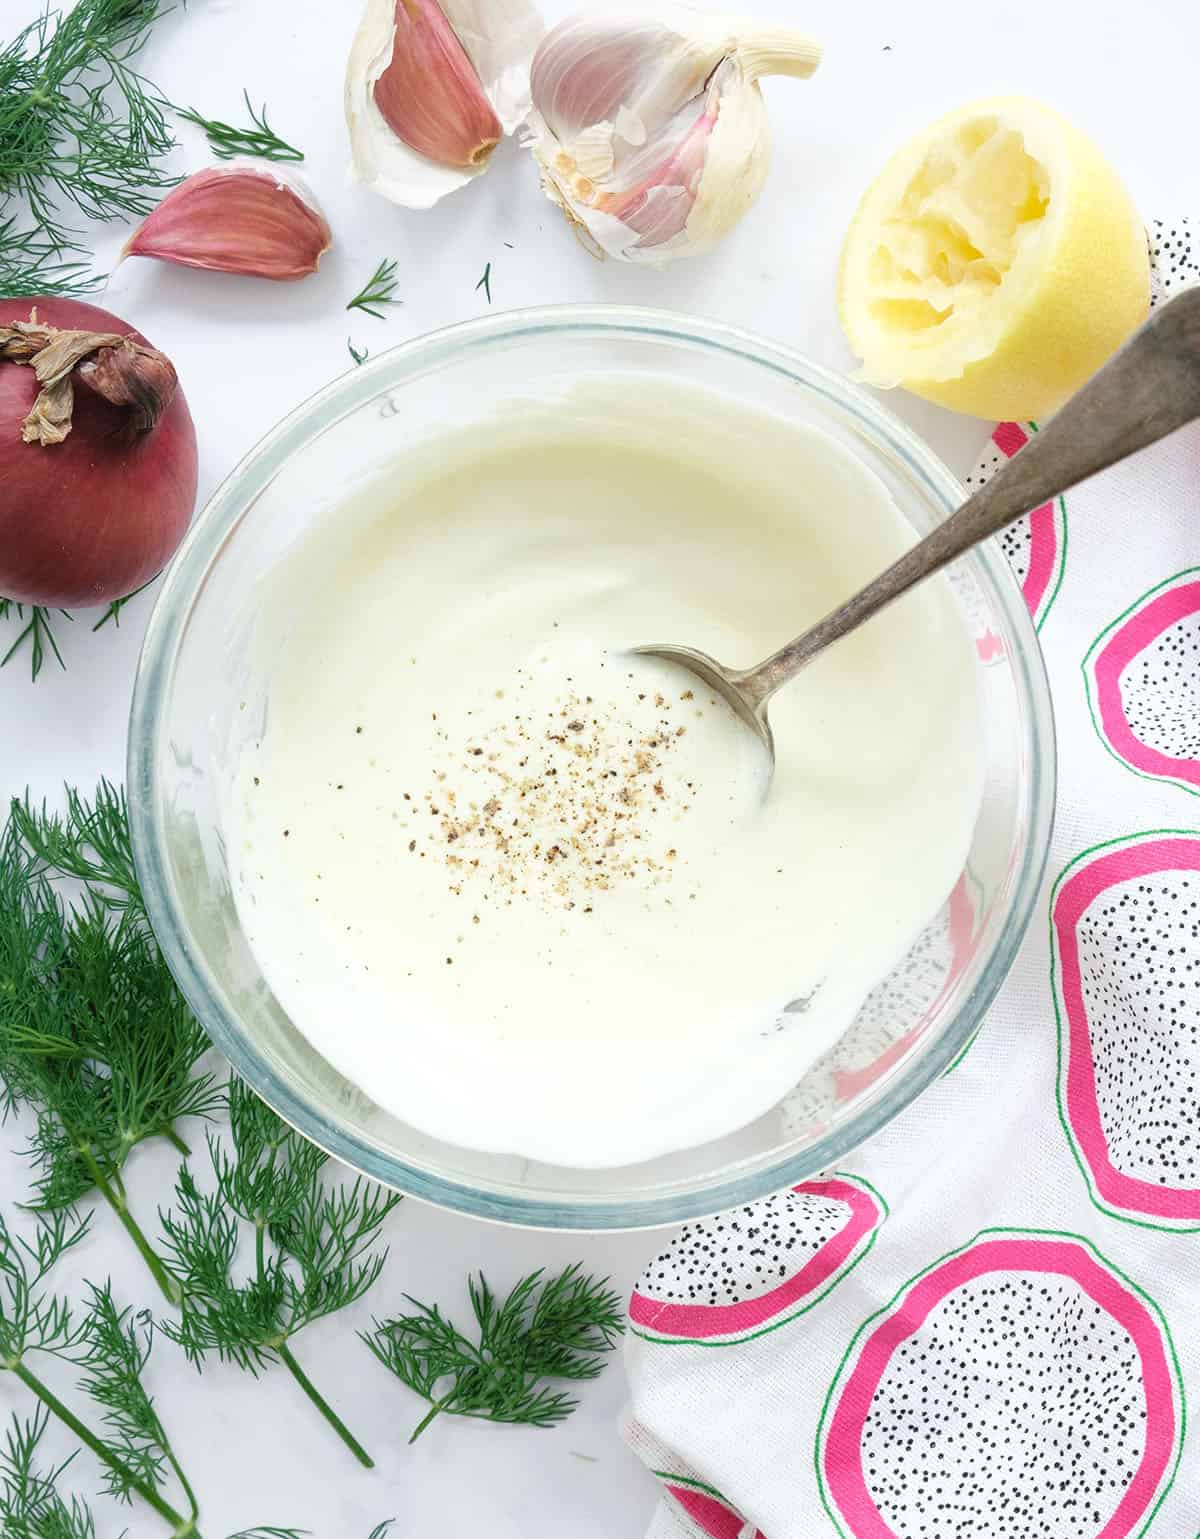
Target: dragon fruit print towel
{"points": [[987, 1326]]}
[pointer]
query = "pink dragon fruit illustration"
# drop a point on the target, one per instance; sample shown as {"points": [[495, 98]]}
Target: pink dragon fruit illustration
{"points": [[912, 994], [730, 1278], [1018, 1386], [1143, 682], [1125, 957], [1174, 264], [708, 1509], [1036, 546]]}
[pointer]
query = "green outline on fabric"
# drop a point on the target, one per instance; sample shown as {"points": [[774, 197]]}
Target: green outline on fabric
{"points": [[1060, 565], [699, 1485], [1140, 1221], [1160, 780], [1041, 1234], [809, 1303], [694, 1485], [963, 1051]]}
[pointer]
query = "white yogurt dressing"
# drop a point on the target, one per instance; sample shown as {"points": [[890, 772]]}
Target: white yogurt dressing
{"points": [[524, 889]]}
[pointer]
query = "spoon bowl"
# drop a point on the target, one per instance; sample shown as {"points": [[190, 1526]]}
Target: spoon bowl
{"points": [[1147, 390], [731, 686]]}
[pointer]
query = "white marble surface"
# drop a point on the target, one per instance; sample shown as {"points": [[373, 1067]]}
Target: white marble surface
{"points": [[248, 352]]}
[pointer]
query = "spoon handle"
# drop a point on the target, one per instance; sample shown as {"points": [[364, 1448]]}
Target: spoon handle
{"points": [[1147, 390]]}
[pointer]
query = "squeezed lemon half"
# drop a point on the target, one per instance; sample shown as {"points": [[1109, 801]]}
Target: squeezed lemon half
{"points": [[994, 264]]}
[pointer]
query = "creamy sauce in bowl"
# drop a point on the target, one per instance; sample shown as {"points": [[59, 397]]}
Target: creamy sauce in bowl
{"points": [[524, 888]]}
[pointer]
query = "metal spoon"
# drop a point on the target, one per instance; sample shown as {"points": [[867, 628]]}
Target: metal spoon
{"points": [[1147, 390]]}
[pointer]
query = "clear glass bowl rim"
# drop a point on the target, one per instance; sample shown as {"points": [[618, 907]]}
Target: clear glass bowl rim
{"points": [[168, 624]]}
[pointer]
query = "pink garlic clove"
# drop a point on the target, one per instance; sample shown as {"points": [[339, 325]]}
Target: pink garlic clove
{"points": [[247, 217], [430, 95], [431, 87]]}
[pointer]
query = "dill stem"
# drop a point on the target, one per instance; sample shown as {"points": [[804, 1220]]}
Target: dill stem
{"points": [[286, 1357], [168, 1284], [322, 1405], [183, 1528], [435, 1409], [173, 1137]]}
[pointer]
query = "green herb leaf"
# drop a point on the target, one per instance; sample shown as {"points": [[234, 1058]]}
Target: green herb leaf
{"points": [[227, 140], [133, 1448], [546, 1329], [30, 1506], [113, 612], [95, 1037], [32, 266], [36, 632], [89, 842], [78, 125], [314, 1247], [378, 290], [358, 357], [485, 283]]}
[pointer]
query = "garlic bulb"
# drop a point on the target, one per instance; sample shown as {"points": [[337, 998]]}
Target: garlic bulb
{"points": [[650, 131], [431, 88]]}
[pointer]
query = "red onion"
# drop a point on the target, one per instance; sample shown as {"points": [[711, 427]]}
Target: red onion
{"points": [[97, 455]]}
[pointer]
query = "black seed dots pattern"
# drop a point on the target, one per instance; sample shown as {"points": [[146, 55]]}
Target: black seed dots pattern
{"points": [[1017, 1411], [898, 1003], [1139, 959], [1174, 263], [1160, 691], [744, 1253], [1016, 540]]}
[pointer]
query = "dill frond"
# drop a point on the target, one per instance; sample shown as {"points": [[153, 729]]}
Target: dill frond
{"points": [[545, 1329], [111, 1351], [95, 1038], [36, 633], [32, 266], [315, 1248], [79, 127], [226, 140], [379, 289], [30, 1505]]}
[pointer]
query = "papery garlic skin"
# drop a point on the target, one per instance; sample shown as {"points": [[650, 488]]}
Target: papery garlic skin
{"points": [[438, 144], [246, 217], [650, 131]]}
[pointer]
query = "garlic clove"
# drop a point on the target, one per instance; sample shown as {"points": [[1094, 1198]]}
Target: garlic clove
{"points": [[429, 93], [650, 131], [431, 87], [245, 217]]}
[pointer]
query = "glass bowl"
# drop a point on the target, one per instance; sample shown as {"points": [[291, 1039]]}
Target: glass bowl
{"points": [[189, 697]]}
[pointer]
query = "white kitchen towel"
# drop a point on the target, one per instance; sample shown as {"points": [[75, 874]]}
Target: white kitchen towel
{"points": [[987, 1325]]}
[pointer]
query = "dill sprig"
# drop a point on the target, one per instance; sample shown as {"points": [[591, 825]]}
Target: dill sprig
{"points": [[110, 1349], [546, 1329], [95, 1038], [227, 140], [36, 632], [321, 1255], [78, 125], [359, 358], [485, 283], [30, 1505], [32, 266], [378, 290], [90, 842], [113, 612]]}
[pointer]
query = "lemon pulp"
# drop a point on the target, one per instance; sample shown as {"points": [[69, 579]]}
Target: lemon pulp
{"points": [[994, 264]]}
